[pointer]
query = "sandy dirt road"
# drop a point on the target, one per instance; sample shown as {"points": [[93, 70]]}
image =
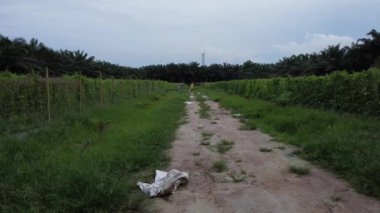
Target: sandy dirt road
{"points": [[255, 181]]}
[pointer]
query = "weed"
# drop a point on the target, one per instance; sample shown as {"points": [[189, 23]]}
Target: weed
{"points": [[204, 110], [86, 145], [154, 97], [183, 121], [196, 153], [237, 178], [335, 198], [214, 122], [207, 135], [280, 147], [220, 166], [224, 146], [248, 127], [294, 153], [205, 143], [264, 149], [299, 169], [243, 127], [250, 124], [205, 138], [142, 104]]}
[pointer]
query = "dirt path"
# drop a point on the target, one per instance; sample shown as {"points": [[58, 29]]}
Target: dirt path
{"points": [[255, 181]]}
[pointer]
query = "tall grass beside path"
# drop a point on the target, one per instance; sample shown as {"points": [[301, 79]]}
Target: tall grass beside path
{"points": [[346, 144], [357, 93], [90, 162]]}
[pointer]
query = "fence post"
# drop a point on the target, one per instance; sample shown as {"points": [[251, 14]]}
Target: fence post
{"points": [[80, 91], [48, 93], [101, 89], [137, 87], [112, 90]]}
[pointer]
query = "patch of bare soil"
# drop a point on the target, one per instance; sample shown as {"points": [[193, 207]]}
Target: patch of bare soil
{"points": [[255, 179]]}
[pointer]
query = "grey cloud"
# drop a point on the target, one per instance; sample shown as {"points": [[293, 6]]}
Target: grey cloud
{"points": [[314, 43], [143, 32]]}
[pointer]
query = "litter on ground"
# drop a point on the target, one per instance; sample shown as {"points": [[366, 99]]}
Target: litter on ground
{"points": [[237, 115], [165, 183]]}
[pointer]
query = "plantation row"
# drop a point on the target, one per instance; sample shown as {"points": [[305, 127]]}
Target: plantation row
{"points": [[28, 100], [355, 93]]}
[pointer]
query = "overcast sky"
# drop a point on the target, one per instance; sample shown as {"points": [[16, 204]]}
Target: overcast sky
{"points": [[142, 32]]}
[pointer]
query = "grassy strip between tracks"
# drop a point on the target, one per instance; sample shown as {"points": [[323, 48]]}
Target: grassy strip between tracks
{"points": [[346, 144], [90, 162]]}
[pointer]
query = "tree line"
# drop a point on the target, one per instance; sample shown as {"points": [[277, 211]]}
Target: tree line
{"points": [[22, 57]]}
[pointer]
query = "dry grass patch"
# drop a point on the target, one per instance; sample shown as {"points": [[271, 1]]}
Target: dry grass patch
{"points": [[299, 169]]}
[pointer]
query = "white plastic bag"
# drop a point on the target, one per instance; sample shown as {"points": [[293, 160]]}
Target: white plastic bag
{"points": [[164, 183]]}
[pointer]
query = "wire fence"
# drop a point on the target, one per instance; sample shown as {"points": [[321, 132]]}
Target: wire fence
{"points": [[29, 100]]}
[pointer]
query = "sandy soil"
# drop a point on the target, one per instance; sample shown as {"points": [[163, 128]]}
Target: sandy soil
{"points": [[262, 182]]}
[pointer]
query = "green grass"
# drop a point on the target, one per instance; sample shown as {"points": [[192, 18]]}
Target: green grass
{"points": [[224, 146], [204, 110], [89, 162], [220, 166], [207, 135], [347, 144], [250, 125]]}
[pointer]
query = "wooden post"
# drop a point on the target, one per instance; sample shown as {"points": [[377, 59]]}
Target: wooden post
{"points": [[48, 93], [129, 88], [137, 87], [80, 92], [112, 89], [67, 96], [101, 89], [142, 86]]}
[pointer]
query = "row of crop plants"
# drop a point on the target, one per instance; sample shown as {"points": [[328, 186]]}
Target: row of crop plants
{"points": [[29, 100], [354, 93]]}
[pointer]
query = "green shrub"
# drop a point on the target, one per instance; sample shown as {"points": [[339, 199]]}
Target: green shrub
{"points": [[355, 93]]}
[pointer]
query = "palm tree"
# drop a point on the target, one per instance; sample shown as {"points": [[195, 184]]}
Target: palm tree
{"points": [[334, 58]]}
